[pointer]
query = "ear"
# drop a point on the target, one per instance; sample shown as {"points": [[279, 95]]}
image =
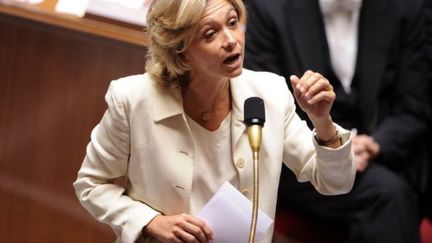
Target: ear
{"points": [[184, 57], [184, 60]]}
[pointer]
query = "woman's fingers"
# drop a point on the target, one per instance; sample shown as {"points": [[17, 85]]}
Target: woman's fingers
{"points": [[198, 229], [312, 87], [179, 228]]}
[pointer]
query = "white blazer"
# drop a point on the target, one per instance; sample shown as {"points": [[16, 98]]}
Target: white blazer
{"points": [[144, 136]]}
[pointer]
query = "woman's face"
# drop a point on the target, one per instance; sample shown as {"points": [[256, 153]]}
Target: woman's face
{"points": [[217, 50]]}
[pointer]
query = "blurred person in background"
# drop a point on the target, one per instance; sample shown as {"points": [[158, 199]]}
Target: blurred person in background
{"points": [[427, 195], [372, 53]]}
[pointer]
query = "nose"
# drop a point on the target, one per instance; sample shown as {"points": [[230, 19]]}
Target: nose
{"points": [[230, 40]]}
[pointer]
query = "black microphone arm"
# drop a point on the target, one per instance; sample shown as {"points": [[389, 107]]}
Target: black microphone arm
{"points": [[254, 118]]}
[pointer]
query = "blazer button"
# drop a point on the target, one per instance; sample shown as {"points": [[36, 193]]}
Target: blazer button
{"points": [[245, 191], [178, 187], [184, 153], [240, 163]]}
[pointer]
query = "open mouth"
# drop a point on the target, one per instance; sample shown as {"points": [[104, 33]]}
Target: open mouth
{"points": [[232, 59]]}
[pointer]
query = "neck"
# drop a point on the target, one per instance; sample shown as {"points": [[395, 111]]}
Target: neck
{"points": [[207, 105]]}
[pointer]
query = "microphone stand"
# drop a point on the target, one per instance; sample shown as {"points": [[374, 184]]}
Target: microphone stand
{"points": [[254, 118], [254, 135]]}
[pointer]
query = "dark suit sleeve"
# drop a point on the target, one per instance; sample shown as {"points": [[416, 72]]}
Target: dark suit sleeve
{"points": [[428, 49], [402, 130], [262, 42], [426, 198]]}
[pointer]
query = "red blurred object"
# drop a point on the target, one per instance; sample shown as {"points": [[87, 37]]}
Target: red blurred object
{"points": [[426, 231], [293, 227]]}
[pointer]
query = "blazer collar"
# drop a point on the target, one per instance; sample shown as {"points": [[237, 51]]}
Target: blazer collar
{"points": [[308, 33], [167, 102]]}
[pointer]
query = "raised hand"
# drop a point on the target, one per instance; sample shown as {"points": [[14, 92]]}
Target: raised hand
{"points": [[314, 94]]}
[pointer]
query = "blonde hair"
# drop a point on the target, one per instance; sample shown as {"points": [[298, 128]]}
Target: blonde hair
{"points": [[171, 25]]}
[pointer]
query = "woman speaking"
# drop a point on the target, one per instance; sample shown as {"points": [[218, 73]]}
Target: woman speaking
{"points": [[177, 131]]}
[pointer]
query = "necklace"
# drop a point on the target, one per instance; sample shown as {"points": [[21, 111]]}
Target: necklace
{"points": [[221, 106], [206, 116], [225, 103]]}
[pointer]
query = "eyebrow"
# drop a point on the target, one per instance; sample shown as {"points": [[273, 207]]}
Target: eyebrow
{"points": [[209, 20]]}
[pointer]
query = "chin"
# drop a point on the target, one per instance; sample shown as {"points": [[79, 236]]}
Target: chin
{"points": [[235, 73], [238, 73]]}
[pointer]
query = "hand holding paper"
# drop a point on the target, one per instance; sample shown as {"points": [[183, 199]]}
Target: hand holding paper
{"points": [[229, 213]]}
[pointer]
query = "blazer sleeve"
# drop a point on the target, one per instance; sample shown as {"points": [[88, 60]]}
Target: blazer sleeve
{"points": [[107, 159], [330, 171], [403, 128]]}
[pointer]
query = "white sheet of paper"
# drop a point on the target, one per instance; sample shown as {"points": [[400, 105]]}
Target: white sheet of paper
{"points": [[130, 11], [33, 1], [229, 214], [135, 4], [74, 7]]}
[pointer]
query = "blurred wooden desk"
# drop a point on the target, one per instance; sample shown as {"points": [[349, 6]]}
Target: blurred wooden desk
{"points": [[45, 13], [54, 72]]}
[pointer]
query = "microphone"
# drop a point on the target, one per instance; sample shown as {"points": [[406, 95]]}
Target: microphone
{"points": [[254, 118]]}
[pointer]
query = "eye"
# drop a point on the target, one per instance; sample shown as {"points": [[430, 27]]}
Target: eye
{"points": [[233, 22], [209, 34]]}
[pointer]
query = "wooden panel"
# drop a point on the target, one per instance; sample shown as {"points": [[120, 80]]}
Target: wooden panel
{"points": [[52, 86], [45, 13]]}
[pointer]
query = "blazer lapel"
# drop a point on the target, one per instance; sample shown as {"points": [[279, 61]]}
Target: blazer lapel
{"points": [[240, 92], [375, 33], [308, 34], [167, 102]]}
